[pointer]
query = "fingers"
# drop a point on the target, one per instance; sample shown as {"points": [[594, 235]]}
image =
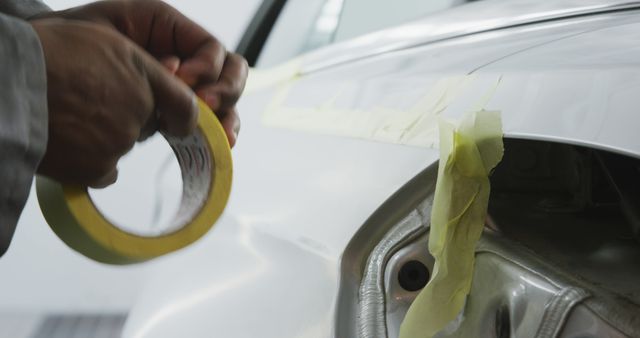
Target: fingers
{"points": [[103, 99], [106, 180], [231, 125], [221, 95], [185, 49], [149, 128], [99, 172], [162, 30], [168, 32], [176, 108], [224, 94], [204, 66]]}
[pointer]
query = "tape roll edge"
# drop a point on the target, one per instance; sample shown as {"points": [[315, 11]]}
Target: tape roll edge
{"points": [[109, 244], [54, 208]]}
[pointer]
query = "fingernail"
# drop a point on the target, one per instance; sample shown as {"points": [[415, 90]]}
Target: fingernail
{"points": [[236, 129], [233, 140]]}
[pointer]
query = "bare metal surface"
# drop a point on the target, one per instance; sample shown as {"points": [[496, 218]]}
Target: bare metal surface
{"points": [[547, 270], [584, 323], [362, 276], [557, 311], [399, 299], [372, 311]]}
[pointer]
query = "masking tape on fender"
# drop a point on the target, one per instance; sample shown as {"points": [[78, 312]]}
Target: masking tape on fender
{"points": [[468, 153], [206, 165]]}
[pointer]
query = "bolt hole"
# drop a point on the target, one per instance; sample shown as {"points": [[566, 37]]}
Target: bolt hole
{"points": [[413, 276]]}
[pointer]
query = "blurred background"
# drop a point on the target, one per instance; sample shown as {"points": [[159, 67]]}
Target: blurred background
{"points": [[43, 282], [225, 19]]}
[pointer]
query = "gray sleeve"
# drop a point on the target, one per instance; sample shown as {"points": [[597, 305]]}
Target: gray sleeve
{"points": [[23, 8], [23, 118]]}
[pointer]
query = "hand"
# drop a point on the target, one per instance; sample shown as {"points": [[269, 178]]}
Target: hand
{"points": [[196, 57], [104, 93]]}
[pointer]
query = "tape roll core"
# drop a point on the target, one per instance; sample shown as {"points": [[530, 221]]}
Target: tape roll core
{"points": [[206, 167]]}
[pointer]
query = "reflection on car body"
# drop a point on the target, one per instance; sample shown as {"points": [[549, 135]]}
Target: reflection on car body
{"points": [[326, 229], [331, 229]]}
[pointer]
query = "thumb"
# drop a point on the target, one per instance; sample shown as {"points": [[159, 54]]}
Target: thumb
{"points": [[110, 178], [175, 102]]}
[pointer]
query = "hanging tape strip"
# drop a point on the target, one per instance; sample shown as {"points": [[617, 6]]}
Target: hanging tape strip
{"points": [[206, 166]]}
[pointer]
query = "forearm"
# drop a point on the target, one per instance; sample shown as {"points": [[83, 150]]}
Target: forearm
{"points": [[23, 118], [23, 8]]}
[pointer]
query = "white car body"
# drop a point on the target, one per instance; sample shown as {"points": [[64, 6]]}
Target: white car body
{"points": [[324, 150], [338, 136]]}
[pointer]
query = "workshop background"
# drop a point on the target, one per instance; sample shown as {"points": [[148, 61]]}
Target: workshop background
{"points": [[43, 281]]}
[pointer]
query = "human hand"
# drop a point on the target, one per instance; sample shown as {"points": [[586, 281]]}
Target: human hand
{"points": [[195, 56], [104, 93]]}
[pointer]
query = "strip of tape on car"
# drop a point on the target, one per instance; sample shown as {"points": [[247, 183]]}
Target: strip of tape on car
{"points": [[206, 166], [407, 118], [468, 154], [259, 79]]}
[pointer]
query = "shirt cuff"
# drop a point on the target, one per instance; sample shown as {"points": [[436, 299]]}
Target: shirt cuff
{"points": [[23, 9], [23, 118]]}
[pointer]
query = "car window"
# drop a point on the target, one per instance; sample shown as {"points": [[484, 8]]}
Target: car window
{"points": [[363, 16], [305, 25]]}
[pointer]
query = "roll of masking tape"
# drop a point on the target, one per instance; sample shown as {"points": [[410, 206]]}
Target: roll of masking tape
{"points": [[206, 165]]}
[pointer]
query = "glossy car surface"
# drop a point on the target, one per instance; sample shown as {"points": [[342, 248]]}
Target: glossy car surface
{"points": [[339, 151], [335, 169]]}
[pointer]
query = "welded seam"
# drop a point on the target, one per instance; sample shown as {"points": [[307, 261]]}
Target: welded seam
{"points": [[371, 317]]}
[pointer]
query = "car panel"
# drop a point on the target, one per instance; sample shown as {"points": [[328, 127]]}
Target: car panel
{"points": [[275, 253], [472, 18], [273, 265], [397, 97]]}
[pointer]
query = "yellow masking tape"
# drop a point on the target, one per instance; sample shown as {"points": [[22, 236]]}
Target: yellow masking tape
{"points": [[206, 165], [468, 153], [260, 79], [325, 111]]}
